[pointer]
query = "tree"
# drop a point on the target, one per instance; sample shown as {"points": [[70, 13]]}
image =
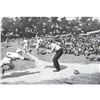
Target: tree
{"points": [[30, 26]]}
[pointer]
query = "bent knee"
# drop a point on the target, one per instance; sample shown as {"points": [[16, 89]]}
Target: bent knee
{"points": [[54, 60]]}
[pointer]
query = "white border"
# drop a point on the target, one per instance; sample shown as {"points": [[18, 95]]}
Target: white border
{"points": [[49, 8]]}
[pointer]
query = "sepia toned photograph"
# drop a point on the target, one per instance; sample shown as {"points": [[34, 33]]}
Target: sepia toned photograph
{"points": [[50, 50]]}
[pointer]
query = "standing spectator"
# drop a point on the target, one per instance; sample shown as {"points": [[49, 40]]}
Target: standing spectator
{"points": [[6, 42], [39, 40], [26, 47]]}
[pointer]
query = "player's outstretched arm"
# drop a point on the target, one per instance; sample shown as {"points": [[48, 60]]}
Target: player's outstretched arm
{"points": [[29, 59]]}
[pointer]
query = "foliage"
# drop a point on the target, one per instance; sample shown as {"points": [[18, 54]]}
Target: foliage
{"points": [[31, 26]]}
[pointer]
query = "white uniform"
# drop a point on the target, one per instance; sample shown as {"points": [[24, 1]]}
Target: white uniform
{"points": [[10, 56], [14, 55], [5, 61]]}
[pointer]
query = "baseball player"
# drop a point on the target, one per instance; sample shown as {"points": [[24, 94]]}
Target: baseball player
{"points": [[10, 57]]}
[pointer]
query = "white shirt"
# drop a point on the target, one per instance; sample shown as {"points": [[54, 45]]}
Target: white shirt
{"points": [[39, 40], [10, 56], [14, 55], [25, 41], [5, 60], [54, 47]]}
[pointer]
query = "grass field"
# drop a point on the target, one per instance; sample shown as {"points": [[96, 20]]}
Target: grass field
{"points": [[66, 58], [22, 65]]}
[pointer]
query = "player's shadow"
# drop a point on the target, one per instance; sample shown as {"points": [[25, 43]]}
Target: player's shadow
{"points": [[62, 67], [18, 74]]}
